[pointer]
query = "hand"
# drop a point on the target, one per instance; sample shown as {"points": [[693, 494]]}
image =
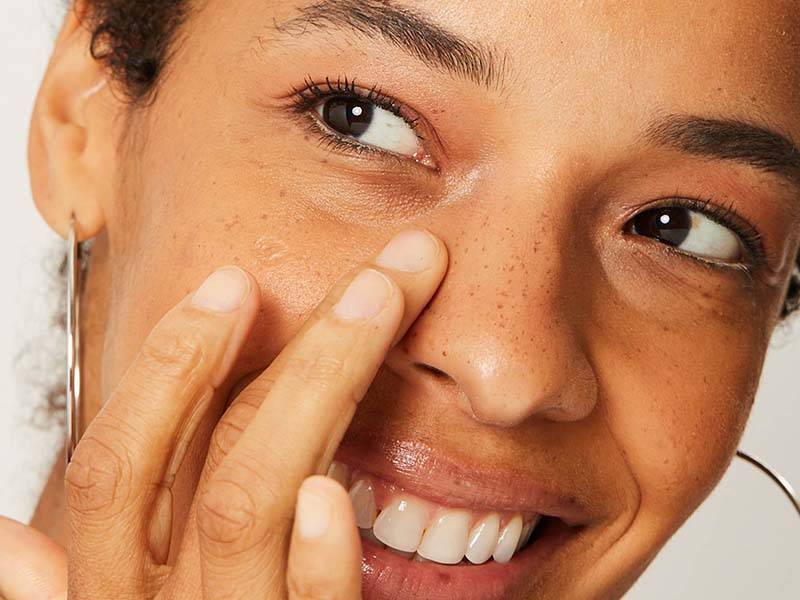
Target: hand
{"points": [[263, 522], [32, 566]]}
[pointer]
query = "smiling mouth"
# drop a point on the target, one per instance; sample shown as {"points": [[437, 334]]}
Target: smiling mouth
{"points": [[438, 525], [425, 531], [435, 528]]}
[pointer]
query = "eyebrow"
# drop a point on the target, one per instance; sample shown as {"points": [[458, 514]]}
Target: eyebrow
{"points": [[729, 139], [408, 30]]}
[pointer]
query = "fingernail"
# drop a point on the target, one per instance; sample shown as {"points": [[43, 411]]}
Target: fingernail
{"points": [[313, 511], [365, 297], [223, 291], [412, 250]]}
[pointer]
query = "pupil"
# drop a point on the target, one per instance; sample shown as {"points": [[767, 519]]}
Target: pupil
{"points": [[670, 224], [348, 116]]}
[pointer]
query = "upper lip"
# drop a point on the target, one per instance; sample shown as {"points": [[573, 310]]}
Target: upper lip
{"points": [[433, 475]]}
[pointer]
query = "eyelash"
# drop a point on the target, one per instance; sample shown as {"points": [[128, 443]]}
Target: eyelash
{"points": [[727, 216], [307, 98]]}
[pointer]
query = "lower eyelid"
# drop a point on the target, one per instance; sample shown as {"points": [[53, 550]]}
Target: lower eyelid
{"points": [[706, 263], [331, 139]]}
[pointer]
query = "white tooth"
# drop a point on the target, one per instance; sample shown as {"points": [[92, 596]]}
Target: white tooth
{"points": [[400, 524], [445, 541], [507, 543], [362, 496], [483, 539], [340, 472], [527, 531]]}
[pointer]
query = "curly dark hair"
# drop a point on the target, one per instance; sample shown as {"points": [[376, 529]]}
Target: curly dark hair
{"points": [[134, 37]]}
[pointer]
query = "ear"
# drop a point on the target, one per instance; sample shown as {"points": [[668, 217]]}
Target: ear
{"points": [[72, 151]]}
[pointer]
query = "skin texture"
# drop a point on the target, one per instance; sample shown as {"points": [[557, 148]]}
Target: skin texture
{"points": [[566, 348]]}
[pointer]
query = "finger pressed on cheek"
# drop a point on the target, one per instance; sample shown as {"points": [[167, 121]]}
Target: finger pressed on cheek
{"points": [[365, 297], [410, 251]]}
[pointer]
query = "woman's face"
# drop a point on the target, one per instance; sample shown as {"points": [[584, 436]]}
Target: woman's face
{"points": [[567, 353]]}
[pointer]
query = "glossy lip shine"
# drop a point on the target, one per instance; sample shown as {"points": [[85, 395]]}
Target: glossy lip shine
{"points": [[423, 471]]}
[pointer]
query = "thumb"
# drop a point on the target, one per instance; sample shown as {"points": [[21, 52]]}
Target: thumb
{"points": [[32, 566]]}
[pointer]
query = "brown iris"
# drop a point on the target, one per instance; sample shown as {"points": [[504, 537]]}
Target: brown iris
{"points": [[348, 116]]}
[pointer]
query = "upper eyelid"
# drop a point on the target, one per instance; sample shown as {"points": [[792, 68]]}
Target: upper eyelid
{"points": [[349, 88]]}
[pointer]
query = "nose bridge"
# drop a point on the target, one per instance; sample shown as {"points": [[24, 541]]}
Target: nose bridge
{"points": [[505, 326]]}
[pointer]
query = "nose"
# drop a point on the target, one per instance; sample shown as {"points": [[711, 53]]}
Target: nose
{"points": [[504, 329]]}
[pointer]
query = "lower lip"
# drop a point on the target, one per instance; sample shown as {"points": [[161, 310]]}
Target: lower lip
{"points": [[389, 576]]}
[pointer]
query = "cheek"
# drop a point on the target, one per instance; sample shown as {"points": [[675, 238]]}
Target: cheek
{"points": [[676, 399], [192, 220]]}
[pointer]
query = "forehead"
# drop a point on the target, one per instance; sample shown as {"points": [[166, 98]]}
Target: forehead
{"points": [[731, 54]]}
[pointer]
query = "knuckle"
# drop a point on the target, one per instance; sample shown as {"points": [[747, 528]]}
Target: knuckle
{"points": [[229, 429], [231, 512], [323, 371], [226, 513], [98, 478], [175, 354]]}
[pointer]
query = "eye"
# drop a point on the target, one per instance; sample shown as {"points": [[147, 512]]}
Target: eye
{"points": [[369, 124], [689, 231]]}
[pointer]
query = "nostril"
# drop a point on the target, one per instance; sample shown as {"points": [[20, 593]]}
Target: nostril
{"points": [[438, 373]]}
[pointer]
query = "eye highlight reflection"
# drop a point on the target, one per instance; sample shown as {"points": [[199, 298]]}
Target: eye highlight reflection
{"points": [[353, 119]]}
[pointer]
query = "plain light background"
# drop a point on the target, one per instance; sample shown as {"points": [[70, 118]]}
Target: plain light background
{"points": [[743, 542]]}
